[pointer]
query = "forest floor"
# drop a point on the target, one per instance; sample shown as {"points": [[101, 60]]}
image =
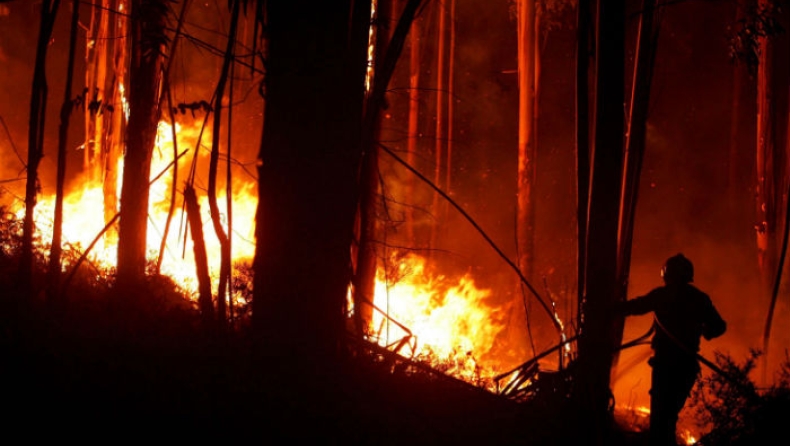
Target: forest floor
{"points": [[96, 374]]}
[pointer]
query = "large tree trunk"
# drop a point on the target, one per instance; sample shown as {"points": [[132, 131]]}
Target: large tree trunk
{"points": [[308, 176], [145, 76], [35, 148], [598, 336]]}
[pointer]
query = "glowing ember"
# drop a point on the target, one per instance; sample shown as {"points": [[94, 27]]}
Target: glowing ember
{"points": [[452, 326]]}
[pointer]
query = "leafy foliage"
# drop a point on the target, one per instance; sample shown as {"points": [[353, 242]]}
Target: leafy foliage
{"points": [[736, 410]]}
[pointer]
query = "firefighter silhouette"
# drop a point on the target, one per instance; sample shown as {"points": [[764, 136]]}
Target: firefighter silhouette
{"points": [[682, 315]]}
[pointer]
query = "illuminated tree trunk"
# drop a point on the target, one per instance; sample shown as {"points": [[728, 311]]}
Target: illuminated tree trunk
{"points": [[147, 32], [370, 195], [527, 57], [440, 137], [635, 148], [598, 336], [104, 96], [63, 133], [95, 85], [35, 148], [733, 157], [772, 159], [201, 258], [413, 123], [766, 143], [308, 190], [113, 145], [216, 218]]}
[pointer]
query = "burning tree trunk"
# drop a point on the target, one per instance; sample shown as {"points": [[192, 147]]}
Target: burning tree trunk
{"points": [[35, 148], [148, 19], [63, 133], [308, 178], [598, 337]]}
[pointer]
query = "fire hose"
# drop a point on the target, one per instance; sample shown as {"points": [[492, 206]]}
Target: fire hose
{"points": [[683, 347]]}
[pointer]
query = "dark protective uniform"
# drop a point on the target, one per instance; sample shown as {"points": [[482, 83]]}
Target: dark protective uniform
{"points": [[683, 314]]}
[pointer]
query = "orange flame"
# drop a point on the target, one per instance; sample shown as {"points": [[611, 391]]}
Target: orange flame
{"points": [[453, 326], [83, 216]]}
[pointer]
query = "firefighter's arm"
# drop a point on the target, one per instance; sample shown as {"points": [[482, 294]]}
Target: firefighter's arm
{"points": [[714, 325], [638, 305]]}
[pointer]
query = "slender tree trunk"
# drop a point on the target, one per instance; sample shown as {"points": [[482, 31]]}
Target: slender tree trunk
{"points": [[370, 196], [201, 258], [765, 193], [147, 32], [440, 137], [733, 156], [598, 337], [414, 114], [636, 136], [35, 149], [113, 142], [526, 148], [167, 95], [582, 144], [63, 134], [95, 88], [216, 218], [450, 101]]}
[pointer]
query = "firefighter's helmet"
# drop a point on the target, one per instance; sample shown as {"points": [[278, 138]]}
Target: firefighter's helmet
{"points": [[678, 269]]}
